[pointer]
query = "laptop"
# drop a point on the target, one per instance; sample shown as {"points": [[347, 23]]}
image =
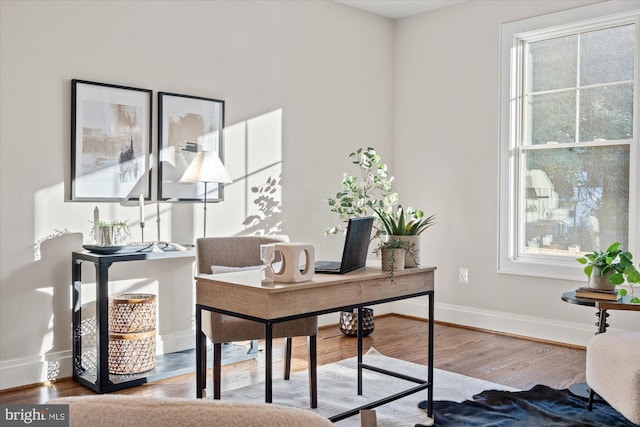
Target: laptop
{"points": [[356, 246]]}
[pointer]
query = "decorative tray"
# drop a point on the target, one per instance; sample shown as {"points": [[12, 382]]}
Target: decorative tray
{"points": [[133, 247]]}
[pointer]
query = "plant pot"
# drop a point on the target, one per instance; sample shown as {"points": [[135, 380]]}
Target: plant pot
{"points": [[598, 281], [409, 261], [349, 322], [393, 259]]}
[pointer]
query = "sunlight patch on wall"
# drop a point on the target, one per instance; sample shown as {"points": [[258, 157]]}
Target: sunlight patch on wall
{"points": [[253, 157]]}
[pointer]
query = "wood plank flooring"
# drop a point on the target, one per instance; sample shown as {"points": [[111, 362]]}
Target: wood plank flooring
{"points": [[498, 358]]}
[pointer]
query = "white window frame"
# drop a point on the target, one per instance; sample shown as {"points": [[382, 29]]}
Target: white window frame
{"points": [[512, 36]]}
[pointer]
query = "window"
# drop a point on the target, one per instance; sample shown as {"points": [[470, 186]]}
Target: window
{"points": [[569, 163]]}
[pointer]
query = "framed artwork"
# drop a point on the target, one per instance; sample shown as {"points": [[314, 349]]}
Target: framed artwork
{"points": [[186, 126], [110, 142]]}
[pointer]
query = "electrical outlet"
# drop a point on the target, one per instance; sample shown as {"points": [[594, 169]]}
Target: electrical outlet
{"points": [[463, 275]]}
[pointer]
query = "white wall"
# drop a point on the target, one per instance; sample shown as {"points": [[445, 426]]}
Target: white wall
{"points": [[305, 83], [446, 142]]}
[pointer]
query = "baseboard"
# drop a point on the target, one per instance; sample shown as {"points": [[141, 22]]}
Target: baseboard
{"points": [[35, 370], [175, 341], [575, 334]]}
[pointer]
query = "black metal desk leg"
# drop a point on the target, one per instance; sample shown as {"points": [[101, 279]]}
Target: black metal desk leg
{"points": [[268, 398], [359, 351], [430, 356], [201, 358], [102, 321], [312, 344]]}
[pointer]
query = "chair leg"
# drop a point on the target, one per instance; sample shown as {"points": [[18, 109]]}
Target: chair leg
{"points": [[288, 344], [313, 372], [217, 369], [591, 396], [203, 365]]}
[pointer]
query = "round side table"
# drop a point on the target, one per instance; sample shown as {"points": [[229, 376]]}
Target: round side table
{"points": [[601, 314], [582, 389]]}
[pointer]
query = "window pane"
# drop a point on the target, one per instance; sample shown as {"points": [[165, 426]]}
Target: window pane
{"points": [[553, 64], [606, 113], [607, 55], [553, 117], [576, 197]]}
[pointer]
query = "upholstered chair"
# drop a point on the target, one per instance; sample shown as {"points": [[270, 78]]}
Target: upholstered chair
{"points": [[108, 410], [239, 252], [613, 367]]}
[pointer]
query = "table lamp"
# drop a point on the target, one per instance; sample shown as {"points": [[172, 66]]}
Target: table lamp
{"points": [[206, 167]]}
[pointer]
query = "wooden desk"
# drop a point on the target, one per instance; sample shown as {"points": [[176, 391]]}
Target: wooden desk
{"points": [[241, 294]]}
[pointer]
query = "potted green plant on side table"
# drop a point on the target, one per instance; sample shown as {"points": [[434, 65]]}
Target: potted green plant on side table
{"points": [[609, 268]]}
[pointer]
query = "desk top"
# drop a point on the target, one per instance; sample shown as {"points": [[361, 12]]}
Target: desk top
{"points": [[242, 292]]}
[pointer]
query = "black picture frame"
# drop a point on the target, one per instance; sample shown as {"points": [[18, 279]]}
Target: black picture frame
{"points": [[187, 125], [111, 129]]}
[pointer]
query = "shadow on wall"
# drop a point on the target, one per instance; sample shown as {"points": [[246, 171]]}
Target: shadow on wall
{"points": [[44, 283], [268, 219], [253, 156]]}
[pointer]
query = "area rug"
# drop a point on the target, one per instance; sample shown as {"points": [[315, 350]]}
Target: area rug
{"points": [[337, 390], [539, 406]]}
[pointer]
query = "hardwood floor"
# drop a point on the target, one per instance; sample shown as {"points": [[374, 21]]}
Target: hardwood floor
{"points": [[498, 358]]}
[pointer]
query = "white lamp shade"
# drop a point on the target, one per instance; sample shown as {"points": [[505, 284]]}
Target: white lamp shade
{"points": [[206, 167]]}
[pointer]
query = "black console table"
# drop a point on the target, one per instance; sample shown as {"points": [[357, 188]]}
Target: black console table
{"points": [[99, 379]]}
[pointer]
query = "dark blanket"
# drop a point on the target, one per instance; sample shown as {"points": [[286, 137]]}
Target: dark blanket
{"points": [[540, 406]]}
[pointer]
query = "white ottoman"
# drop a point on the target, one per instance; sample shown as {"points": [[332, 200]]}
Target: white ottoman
{"points": [[613, 370]]}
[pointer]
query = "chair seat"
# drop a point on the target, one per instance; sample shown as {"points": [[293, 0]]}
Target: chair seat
{"points": [[613, 370], [220, 328]]}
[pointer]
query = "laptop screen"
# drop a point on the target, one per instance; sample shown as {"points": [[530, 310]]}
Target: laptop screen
{"points": [[356, 244]]}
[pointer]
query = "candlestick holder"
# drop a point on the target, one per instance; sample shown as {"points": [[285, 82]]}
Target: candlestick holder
{"points": [[267, 254], [142, 231]]}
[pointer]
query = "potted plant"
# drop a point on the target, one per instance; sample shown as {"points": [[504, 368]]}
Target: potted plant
{"points": [[632, 276], [360, 194], [407, 226], [110, 233], [393, 252], [608, 268]]}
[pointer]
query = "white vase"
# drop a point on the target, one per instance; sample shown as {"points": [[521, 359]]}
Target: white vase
{"points": [[393, 259], [409, 260]]}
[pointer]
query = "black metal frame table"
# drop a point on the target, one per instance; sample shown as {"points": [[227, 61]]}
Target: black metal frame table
{"points": [[99, 379], [601, 313], [241, 295]]}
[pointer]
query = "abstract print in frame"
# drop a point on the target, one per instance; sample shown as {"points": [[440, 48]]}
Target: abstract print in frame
{"points": [[110, 142], [187, 125]]}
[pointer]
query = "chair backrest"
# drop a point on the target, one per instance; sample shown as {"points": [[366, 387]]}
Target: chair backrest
{"points": [[237, 251]]}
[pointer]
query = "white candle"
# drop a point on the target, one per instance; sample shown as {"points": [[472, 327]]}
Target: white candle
{"points": [[141, 209]]}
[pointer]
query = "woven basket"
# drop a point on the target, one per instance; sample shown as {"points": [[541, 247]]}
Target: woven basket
{"points": [[131, 313], [132, 353]]}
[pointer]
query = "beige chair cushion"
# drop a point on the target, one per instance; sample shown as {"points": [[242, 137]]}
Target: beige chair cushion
{"points": [[613, 370], [119, 410], [242, 251]]}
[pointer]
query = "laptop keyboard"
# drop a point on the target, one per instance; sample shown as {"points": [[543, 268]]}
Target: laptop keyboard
{"points": [[327, 265]]}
